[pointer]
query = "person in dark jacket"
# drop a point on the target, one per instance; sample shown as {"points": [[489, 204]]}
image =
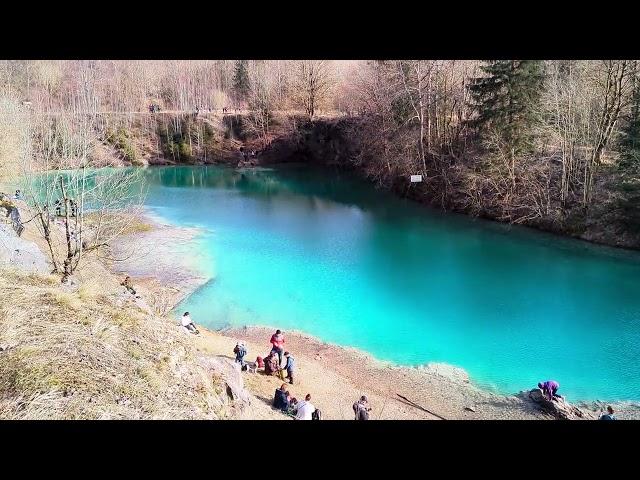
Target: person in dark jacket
{"points": [[361, 408], [240, 350], [280, 400]]}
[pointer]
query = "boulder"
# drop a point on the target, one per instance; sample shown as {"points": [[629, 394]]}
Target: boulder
{"points": [[231, 376], [558, 407]]}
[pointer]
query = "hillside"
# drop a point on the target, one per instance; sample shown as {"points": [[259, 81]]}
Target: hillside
{"points": [[91, 350]]}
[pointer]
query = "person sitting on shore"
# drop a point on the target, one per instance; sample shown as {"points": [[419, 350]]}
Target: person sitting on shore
{"points": [[289, 366], [271, 366], [188, 324], [609, 415], [361, 408], [293, 407], [240, 351], [259, 362], [280, 400], [277, 342], [128, 285], [305, 409], [549, 389]]}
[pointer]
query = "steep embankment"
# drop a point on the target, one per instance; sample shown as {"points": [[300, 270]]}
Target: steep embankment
{"points": [[351, 143], [91, 350]]}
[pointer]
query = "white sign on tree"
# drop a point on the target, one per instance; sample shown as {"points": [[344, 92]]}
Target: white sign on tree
{"points": [[416, 178]]}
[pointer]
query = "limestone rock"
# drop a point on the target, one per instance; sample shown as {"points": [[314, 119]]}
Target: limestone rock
{"points": [[21, 253], [558, 407], [231, 377]]}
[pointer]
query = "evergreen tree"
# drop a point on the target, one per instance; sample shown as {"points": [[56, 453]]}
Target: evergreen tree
{"points": [[241, 80], [506, 100]]}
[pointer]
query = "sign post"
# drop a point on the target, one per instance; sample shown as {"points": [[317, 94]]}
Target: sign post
{"points": [[416, 178]]}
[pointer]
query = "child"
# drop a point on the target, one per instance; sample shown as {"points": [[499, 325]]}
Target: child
{"points": [[240, 352]]}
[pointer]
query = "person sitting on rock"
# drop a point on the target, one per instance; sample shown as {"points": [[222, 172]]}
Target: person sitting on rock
{"points": [[550, 388], [259, 362], [188, 324], [280, 400], [128, 285], [609, 415]]}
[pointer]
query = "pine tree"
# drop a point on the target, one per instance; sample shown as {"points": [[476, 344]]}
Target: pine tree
{"points": [[506, 100], [241, 80]]}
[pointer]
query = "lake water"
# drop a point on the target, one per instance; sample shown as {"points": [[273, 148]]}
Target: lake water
{"points": [[327, 254]]}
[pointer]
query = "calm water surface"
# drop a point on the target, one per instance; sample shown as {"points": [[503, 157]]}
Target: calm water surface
{"points": [[327, 254]]}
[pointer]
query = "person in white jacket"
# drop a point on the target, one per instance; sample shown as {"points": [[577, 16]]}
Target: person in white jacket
{"points": [[188, 324], [305, 409]]}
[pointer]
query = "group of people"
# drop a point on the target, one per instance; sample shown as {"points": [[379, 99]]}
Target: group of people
{"points": [[299, 410], [550, 390], [59, 204]]}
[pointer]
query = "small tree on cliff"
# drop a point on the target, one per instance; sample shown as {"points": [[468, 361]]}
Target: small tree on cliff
{"points": [[78, 207]]}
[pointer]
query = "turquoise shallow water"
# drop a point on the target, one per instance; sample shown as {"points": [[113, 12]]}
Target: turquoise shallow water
{"points": [[327, 254]]}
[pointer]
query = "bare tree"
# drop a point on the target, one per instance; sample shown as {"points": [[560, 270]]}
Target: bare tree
{"points": [[313, 83]]}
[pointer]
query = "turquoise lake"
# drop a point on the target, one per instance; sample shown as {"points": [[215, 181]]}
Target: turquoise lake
{"points": [[325, 253]]}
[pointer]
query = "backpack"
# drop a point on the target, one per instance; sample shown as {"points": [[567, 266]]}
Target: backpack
{"points": [[361, 412], [316, 415]]}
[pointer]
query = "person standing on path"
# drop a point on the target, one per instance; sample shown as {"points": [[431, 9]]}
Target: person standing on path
{"points": [[277, 341], [240, 350], [289, 366]]}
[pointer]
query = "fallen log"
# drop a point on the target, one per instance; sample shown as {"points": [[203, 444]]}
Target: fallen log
{"points": [[414, 404]]}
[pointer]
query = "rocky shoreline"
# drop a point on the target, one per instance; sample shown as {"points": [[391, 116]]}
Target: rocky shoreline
{"points": [[444, 390]]}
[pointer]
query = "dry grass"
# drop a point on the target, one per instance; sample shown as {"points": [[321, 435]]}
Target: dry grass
{"points": [[90, 353]]}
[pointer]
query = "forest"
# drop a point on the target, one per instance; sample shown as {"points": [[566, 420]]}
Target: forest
{"points": [[553, 144]]}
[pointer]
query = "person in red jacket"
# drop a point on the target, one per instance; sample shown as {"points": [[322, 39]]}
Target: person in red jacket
{"points": [[277, 340]]}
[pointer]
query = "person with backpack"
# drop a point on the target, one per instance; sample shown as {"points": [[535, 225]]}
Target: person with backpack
{"points": [[361, 408], [305, 409], [277, 342], [289, 366], [240, 350]]}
